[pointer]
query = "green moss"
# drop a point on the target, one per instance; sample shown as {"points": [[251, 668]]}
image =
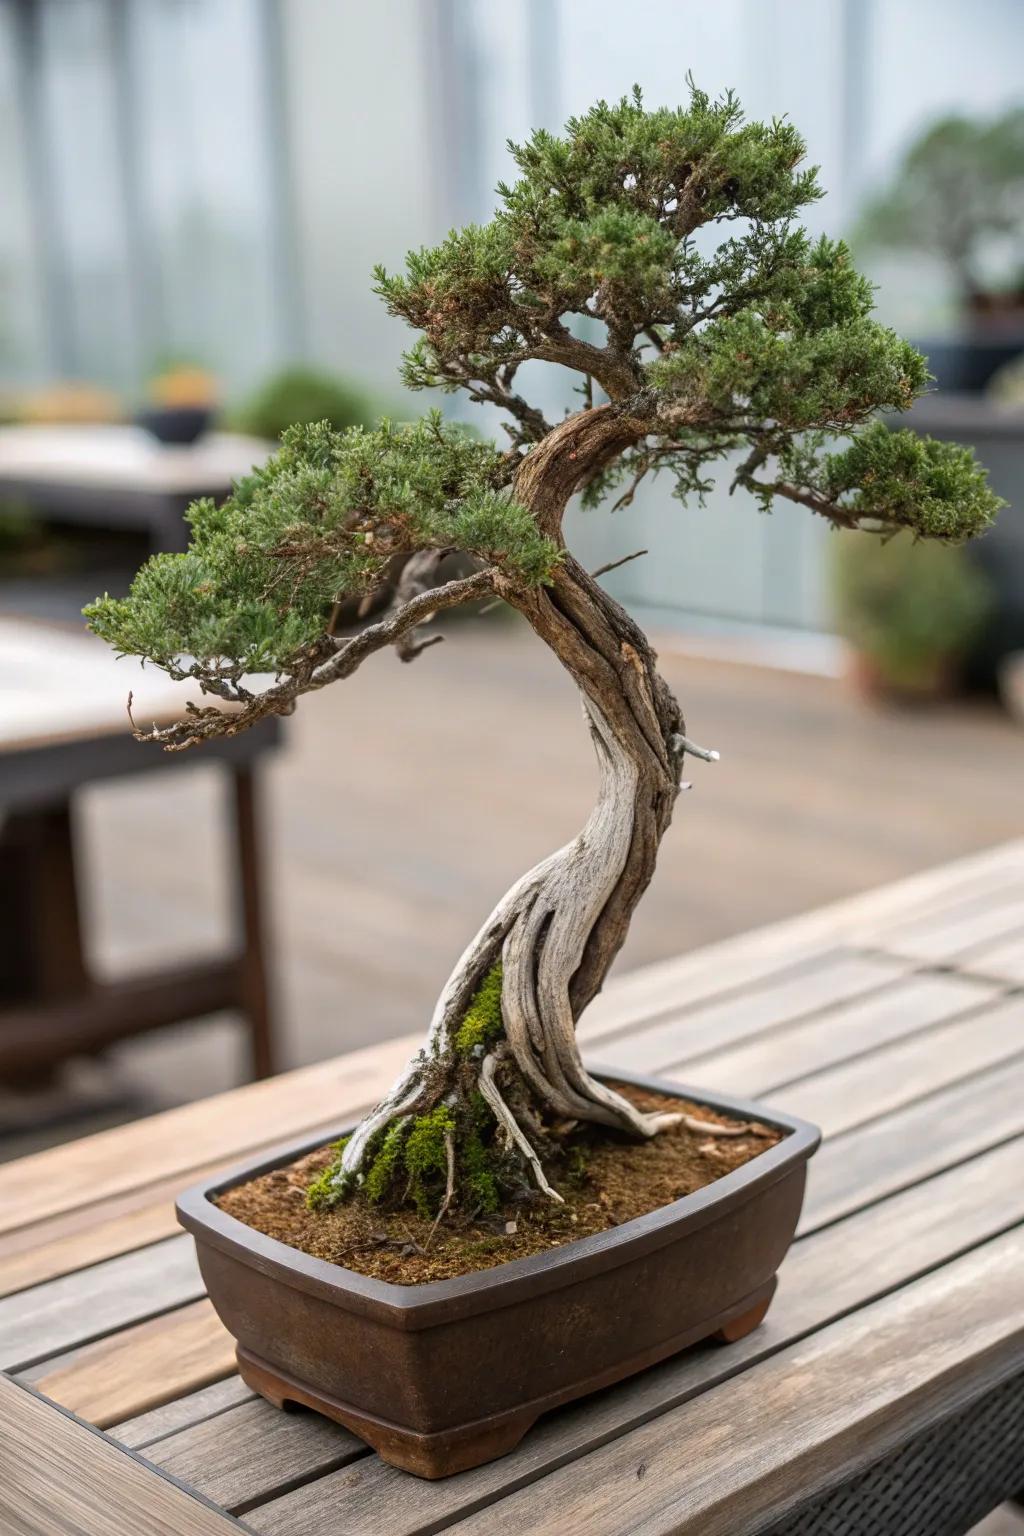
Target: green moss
{"points": [[426, 1157], [324, 1192], [478, 1183], [482, 1022], [385, 1167], [407, 1164]]}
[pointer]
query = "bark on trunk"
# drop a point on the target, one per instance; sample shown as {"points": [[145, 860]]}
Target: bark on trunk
{"points": [[557, 931]]}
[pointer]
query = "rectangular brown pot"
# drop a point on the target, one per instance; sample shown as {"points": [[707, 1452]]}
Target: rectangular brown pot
{"points": [[443, 1376]]}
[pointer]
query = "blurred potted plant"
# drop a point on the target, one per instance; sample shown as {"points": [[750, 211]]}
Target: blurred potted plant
{"points": [[909, 614], [958, 194], [463, 1214], [182, 402], [298, 395]]}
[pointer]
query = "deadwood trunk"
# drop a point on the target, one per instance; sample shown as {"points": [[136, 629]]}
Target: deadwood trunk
{"points": [[557, 931]]}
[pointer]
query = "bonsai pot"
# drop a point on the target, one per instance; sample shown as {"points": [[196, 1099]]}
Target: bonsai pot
{"points": [[966, 363], [175, 424], [443, 1376]]}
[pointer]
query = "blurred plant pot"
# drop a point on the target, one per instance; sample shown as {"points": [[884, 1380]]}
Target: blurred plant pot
{"points": [[936, 678], [1011, 684], [178, 424], [992, 335]]}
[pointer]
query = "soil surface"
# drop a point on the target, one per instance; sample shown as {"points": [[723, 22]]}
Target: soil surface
{"points": [[621, 1179]]}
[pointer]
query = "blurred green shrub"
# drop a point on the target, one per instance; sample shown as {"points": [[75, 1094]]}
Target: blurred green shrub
{"points": [[299, 395], [958, 193], [910, 610]]}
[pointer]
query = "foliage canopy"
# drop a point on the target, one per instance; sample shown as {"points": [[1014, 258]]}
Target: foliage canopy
{"points": [[760, 347]]}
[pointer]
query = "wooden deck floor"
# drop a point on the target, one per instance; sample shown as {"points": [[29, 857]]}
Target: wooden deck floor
{"points": [[410, 797]]}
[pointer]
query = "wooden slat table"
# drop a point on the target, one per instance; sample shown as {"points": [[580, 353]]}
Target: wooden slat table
{"points": [[63, 724], [883, 1394]]}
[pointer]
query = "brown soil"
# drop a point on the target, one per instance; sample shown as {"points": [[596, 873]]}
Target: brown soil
{"points": [[622, 1179]]}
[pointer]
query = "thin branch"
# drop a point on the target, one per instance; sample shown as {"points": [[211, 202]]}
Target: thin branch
{"points": [[754, 460], [449, 1187], [806, 498], [613, 565], [684, 744], [408, 648], [626, 499], [617, 375], [202, 724]]}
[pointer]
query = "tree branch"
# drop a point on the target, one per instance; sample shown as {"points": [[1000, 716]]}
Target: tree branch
{"points": [[805, 497], [617, 375], [310, 673], [613, 565]]}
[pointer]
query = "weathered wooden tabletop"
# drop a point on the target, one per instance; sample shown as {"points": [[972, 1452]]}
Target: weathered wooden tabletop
{"points": [[894, 1020]]}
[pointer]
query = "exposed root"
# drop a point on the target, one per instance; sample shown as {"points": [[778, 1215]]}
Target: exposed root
{"points": [[709, 1128], [400, 1101], [449, 1188], [507, 1120]]}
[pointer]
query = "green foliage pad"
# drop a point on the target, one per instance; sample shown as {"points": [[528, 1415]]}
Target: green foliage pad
{"points": [[323, 519], [656, 255]]}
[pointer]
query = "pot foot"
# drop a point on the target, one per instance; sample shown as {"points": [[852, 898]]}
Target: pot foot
{"points": [[745, 1322], [425, 1455]]}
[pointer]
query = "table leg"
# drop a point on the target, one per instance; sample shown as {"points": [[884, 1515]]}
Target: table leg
{"points": [[254, 992], [41, 954]]}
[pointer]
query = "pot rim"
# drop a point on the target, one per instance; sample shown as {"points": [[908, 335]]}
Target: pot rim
{"points": [[437, 1301]]}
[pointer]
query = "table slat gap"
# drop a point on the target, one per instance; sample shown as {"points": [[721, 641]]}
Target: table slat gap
{"points": [[729, 1068], [880, 1082], [748, 1018], [810, 961], [98, 1301], [962, 1080], [238, 1457], [191, 1408], [901, 1150], [807, 933], [60, 1470], [142, 1367]]}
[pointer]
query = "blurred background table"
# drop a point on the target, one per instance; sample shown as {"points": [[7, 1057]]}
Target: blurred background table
{"points": [[63, 725], [114, 476]]}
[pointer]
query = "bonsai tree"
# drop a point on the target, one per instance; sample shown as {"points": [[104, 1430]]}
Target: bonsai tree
{"points": [[958, 192], [760, 351]]}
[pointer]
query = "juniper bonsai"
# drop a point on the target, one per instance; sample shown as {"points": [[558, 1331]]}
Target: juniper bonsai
{"points": [[759, 353]]}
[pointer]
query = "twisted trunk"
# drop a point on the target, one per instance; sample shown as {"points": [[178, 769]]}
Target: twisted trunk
{"points": [[557, 931]]}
